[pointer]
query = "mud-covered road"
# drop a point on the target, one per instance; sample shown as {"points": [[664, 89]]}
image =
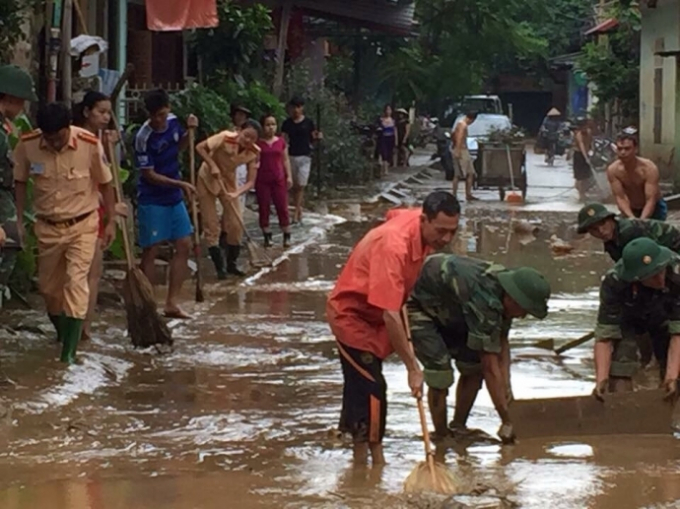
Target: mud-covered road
{"points": [[242, 413]]}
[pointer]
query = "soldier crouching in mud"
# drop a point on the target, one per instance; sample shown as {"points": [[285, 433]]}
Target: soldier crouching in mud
{"points": [[640, 294], [463, 308], [617, 232]]}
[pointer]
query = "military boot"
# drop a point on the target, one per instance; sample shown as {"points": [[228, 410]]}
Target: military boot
{"points": [[286, 240], [233, 253], [218, 260], [72, 328]]}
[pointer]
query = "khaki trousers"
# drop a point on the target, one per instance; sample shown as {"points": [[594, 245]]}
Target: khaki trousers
{"points": [[210, 220], [64, 259]]}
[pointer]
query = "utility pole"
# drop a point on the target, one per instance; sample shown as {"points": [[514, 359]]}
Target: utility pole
{"points": [[66, 32], [53, 35]]}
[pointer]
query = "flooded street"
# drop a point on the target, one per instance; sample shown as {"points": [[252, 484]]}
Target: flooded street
{"points": [[242, 412]]}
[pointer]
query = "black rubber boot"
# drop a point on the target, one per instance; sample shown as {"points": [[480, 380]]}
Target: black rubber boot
{"points": [[218, 260], [233, 253], [267, 239], [286, 240], [57, 321]]}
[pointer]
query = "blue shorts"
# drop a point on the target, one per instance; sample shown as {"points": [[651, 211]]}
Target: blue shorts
{"points": [[660, 211], [161, 223]]}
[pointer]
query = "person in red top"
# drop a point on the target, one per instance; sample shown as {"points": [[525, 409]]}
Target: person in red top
{"points": [[364, 313], [273, 180]]}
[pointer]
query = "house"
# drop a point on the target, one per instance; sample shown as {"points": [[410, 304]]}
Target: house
{"points": [[660, 85]]}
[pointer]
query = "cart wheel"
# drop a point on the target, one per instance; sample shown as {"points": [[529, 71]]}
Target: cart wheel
{"points": [[501, 193]]}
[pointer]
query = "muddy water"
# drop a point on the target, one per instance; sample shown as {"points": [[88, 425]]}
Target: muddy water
{"points": [[241, 413]]}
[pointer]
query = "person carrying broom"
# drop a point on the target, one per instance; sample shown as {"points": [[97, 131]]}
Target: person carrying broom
{"points": [[222, 154], [462, 309], [69, 170], [162, 214], [364, 313]]}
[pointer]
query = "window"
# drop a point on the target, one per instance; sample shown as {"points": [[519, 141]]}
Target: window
{"points": [[658, 91]]}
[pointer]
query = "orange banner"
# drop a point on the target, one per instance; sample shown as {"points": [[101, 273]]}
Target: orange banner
{"points": [[172, 15]]}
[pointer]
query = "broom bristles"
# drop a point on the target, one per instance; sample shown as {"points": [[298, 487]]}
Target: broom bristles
{"points": [[258, 258], [444, 481], [145, 326]]}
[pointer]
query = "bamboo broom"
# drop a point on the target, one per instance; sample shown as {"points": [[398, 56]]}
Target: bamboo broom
{"points": [[145, 326]]}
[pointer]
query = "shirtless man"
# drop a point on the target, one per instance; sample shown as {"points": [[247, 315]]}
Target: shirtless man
{"points": [[463, 163], [635, 182]]}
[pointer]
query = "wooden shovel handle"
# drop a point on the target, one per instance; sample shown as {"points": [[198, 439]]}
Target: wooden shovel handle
{"points": [[429, 455], [119, 198], [234, 209]]}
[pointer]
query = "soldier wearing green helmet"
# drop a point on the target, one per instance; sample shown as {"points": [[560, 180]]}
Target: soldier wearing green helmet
{"points": [[462, 309], [641, 294], [16, 87], [616, 232]]}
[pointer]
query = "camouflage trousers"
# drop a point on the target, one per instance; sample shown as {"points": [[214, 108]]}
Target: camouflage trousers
{"points": [[8, 218]]}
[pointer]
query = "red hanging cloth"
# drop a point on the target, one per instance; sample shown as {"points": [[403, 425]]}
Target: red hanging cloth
{"points": [[173, 15]]}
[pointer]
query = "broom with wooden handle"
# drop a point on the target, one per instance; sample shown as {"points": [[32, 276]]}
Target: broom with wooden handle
{"points": [[145, 326], [428, 475], [194, 215], [258, 257]]}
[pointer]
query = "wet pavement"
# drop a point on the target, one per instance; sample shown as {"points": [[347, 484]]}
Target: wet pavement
{"points": [[242, 412]]}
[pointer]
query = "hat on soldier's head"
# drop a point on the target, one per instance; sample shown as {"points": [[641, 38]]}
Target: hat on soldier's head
{"points": [[16, 82], [528, 288], [592, 214], [237, 107], [643, 258]]}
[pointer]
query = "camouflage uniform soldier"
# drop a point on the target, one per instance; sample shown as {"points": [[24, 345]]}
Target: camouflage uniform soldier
{"points": [[463, 308], [16, 87], [640, 294], [617, 232]]}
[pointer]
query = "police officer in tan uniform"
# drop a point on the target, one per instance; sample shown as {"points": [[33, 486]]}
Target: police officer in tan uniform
{"points": [[222, 154], [68, 169]]}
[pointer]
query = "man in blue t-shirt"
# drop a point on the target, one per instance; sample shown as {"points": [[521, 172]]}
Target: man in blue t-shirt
{"points": [[162, 214]]}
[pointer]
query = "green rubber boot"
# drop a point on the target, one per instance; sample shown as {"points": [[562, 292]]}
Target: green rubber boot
{"points": [[72, 329], [58, 322]]}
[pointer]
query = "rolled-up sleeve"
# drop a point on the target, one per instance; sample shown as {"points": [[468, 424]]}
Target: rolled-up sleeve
{"points": [[430, 349], [22, 166], [386, 286]]}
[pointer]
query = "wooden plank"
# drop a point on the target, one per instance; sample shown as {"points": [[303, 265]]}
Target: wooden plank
{"points": [[641, 412]]}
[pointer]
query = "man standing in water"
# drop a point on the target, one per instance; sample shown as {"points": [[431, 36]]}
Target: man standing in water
{"points": [[462, 309], [641, 294], [364, 312], [162, 214], [635, 182], [464, 165], [68, 169]]}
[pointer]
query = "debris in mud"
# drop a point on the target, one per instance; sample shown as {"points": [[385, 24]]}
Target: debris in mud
{"points": [[559, 247]]}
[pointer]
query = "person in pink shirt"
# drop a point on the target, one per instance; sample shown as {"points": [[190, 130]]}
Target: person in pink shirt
{"points": [[274, 178]]}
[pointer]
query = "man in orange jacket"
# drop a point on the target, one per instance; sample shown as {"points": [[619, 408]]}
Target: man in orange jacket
{"points": [[364, 312]]}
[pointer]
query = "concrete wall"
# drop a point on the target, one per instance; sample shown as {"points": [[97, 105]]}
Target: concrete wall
{"points": [[660, 22]]}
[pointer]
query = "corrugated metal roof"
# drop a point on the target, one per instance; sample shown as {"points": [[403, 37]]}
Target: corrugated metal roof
{"points": [[388, 15]]}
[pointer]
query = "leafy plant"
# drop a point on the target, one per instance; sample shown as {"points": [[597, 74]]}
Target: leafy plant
{"points": [[235, 46], [13, 14]]}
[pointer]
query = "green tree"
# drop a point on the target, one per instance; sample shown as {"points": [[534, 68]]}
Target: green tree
{"points": [[13, 13], [613, 65], [236, 46]]}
